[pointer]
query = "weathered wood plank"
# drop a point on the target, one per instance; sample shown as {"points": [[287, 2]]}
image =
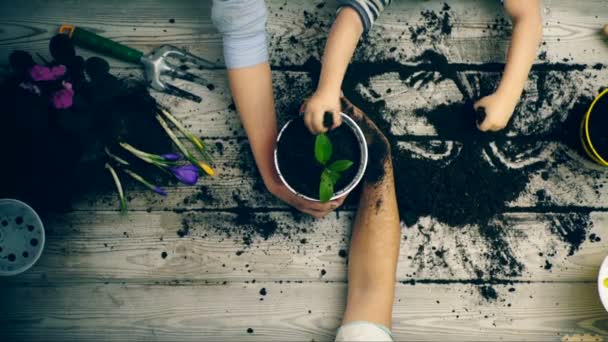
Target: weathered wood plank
{"points": [[478, 31], [550, 96], [237, 182], [95, 247], [295, 312]]}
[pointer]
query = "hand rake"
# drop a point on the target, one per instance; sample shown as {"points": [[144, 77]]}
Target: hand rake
{"points": [[156, 64]]}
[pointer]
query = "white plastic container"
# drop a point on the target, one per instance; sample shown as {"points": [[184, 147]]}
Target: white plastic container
{"points": [[21, 237], [352, 125]]}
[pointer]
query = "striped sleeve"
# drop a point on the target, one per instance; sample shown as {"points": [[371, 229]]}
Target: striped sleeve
{"points": [[368, 10]]}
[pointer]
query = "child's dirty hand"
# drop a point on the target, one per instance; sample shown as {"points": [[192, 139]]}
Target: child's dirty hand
{"points": [[315, 209], [498, 111], [315, 110]]}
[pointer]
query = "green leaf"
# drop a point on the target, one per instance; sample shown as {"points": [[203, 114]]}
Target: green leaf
{"points": [[326, 187], [335, 176], [340, 165], [323, 149]]}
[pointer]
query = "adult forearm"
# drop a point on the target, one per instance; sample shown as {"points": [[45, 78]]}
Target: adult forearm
{"points": [[339, 49], [374, 253]]}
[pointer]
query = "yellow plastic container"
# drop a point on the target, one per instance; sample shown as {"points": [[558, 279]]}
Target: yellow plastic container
{"points": [[588, 146]]}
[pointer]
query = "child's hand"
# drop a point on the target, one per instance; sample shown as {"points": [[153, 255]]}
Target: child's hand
{"points": [[315, 109], [498, 109]]}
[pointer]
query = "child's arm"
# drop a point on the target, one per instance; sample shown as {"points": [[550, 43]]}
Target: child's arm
{"points": [[243, 26], [354, 18], [527, 33]]}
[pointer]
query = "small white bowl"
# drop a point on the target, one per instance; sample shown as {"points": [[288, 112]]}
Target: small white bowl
{"points": [[21, 237], [602, 283]]}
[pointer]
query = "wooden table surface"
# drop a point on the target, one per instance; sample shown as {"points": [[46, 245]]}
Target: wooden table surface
{"points": [[103, 276]]}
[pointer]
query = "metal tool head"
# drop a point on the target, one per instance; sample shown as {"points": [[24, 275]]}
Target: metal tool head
{"points": [[160, 62]]}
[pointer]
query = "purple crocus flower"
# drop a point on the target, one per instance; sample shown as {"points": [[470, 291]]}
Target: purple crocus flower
{"points": [[172, 156], [63, 98], [159, 191], [42, 73], [187, 174]]}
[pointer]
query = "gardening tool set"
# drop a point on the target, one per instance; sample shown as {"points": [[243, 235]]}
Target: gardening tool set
{"points": [[166, 60]]}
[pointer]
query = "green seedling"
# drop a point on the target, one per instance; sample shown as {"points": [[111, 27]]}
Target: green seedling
{"points": [[332, 172]]}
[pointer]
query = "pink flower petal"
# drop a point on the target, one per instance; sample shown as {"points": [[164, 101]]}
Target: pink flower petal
{"points": [[58, 71], [42, 73], [63, 99]]}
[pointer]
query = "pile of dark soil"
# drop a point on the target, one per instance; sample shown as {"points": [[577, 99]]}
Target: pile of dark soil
{"points": [[468, 189], [50, 153], [297, 161]]}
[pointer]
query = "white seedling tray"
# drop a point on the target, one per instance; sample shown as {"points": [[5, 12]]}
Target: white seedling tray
{"points": [[21, 237]]}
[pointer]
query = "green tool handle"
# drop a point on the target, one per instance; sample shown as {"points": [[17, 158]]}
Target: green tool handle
{"points": [[92, 41]]}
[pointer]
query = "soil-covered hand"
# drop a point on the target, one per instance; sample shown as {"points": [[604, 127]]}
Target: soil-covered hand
{"points": [[379, 161], [498, 110], [315, 209], [314, 112]]}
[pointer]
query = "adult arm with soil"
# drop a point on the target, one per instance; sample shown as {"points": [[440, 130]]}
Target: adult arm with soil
{"points": [[376, 237], [527, 33], [243, 26], [354, 18]]}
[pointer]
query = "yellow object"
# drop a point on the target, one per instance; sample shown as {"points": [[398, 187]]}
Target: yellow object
{"points": [[207, 168], [67, 28], [605, 30], [605, 282], [196, 141], [586, 137]]}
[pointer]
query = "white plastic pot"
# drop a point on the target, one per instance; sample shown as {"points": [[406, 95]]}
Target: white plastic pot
{"points": [[21, 237], [350, 123]]}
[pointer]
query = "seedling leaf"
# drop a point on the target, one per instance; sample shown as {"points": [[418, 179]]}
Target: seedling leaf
{"points": [[335, 176], [326, 187], [340, 165], [323, 149]]}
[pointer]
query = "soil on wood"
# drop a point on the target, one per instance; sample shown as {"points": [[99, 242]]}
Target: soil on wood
{"points": [[470, 187], [470, 190], [296, 157]]}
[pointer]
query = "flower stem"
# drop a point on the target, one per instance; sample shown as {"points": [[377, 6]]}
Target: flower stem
{"points": [[193, 138], [145, 183], [203, 166], [115, 157], [147, 157], [121, 195]]}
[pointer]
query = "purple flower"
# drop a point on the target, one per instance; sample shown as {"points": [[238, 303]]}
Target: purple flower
{"points": [[63, 98], [187, 174], [172, 156], [42, 73], [159, 191]]}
